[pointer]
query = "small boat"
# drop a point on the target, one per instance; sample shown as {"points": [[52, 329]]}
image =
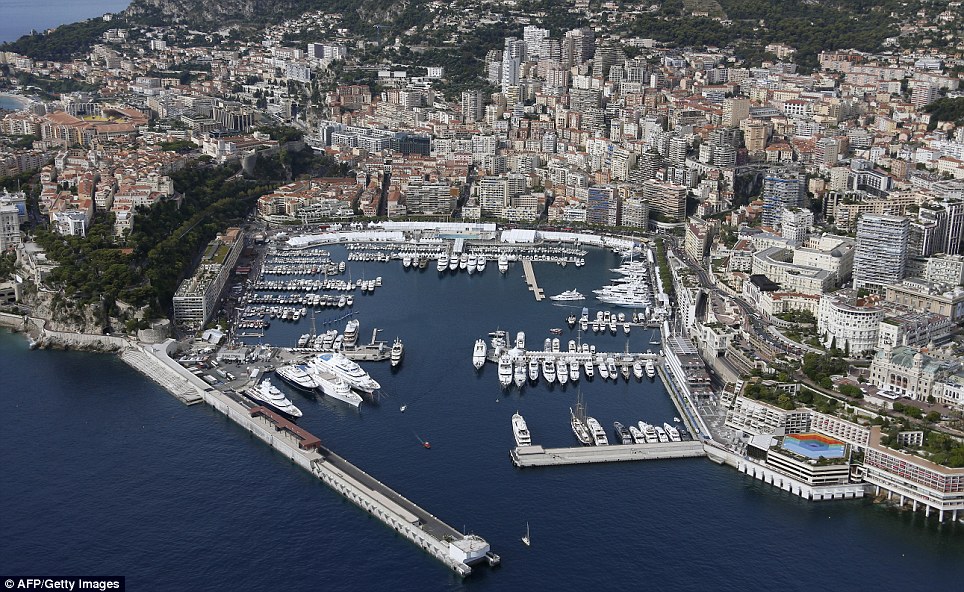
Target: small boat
{"points": [[503, 263], [425, 443], [505, 370], [519, 374], [478, 354], [525, 539], [573, 370], [590, 370], [555, 331], [534, 369], [650, 368], [638, 370], [562, 371], [443, 262], [480, 265], [677, 420], [571, 321], [549, 370], [403, 408]]}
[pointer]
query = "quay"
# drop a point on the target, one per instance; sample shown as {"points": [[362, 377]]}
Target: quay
{"points": [[537, 456], [531, 280], [457, 551]]}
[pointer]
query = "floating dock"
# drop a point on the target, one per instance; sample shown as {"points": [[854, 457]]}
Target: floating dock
{"points": [[537, 456], [531, 280]]}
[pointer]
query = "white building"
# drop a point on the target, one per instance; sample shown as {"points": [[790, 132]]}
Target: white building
{"points": [[849, 323]]}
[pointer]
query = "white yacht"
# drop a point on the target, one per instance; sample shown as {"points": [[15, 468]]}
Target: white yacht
{"points": [[480, 264], [269, 394], [638, 370], [337, 389], [590, 370], [298, 376], [649, 432], [337, 364], [611, 367], [463, 261], [520, 430], [603, 370], [520, 340], [503, 263], [597, 432], [397, 351], [454, 262], [351, 333], [661, 434], [505, 370], [519, 374], [568, 295], [672, 432], [534, 369], [562, 371], [443, 262], [478, 354], [650, 368], [549, 370], [637, 435], [406, 260], [574, 370]]}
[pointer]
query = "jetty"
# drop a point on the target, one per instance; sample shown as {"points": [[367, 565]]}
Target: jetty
{"points": [[537, 456], [531, 280], [456, 550]]}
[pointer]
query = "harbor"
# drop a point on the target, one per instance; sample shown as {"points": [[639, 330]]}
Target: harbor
{"points": [[537, 456]]}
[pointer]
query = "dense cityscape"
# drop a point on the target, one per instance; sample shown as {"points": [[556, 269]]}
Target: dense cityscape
{"points": [[791, 204]]}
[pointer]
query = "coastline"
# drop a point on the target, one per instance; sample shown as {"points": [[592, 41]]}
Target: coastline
{"points": [[20, 102]]}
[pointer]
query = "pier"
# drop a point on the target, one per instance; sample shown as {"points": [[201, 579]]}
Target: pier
{"points": [[456, 550], [537, 456], [531, 280]]}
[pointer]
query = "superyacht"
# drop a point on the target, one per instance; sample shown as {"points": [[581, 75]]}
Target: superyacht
{"points": [[270, 395], [520, 430], [347, 370], [298, 376]]}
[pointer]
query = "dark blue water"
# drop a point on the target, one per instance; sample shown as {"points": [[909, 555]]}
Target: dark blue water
{"points": [[105, 473]]}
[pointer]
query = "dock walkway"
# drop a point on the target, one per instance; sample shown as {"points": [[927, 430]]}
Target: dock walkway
{"points": [[531, 280], [537, 456]]}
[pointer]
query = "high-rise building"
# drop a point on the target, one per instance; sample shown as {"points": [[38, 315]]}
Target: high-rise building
{"points": [[827, 152], [881, 251], [781, 190], [795, 224], [602, 205], [755, 134], [735, 110], [578, 46], [473, 105], [666, 199], [923, 94]]}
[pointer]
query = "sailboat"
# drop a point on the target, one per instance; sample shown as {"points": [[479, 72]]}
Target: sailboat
{"points": [[525, 539]]}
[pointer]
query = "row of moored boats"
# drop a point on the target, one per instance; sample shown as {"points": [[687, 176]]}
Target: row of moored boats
{"points": [[590, 432]]}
